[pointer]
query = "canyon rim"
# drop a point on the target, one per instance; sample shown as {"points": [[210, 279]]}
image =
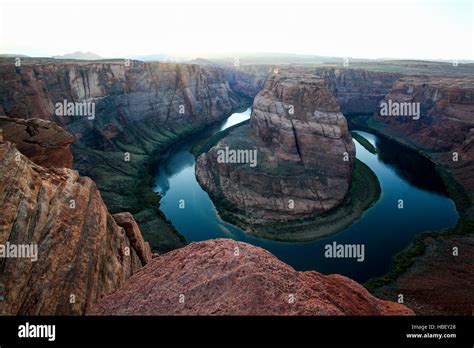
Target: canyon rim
{"points": [[308, 168]]}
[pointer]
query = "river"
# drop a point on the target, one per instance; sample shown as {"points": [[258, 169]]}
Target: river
{"points": [[383, 229]]}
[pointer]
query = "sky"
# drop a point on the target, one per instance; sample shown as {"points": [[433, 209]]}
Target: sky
{"points": [[363, 29]]}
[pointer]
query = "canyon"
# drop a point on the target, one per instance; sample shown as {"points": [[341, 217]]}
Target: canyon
{"points": [[305, 153], [445, 130], [141, 109], [444, 133], [96, 251], [87, 257]]}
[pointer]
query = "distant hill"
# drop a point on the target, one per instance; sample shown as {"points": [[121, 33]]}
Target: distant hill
{"points": [[160, 58], [79, 55], [12, 55]]}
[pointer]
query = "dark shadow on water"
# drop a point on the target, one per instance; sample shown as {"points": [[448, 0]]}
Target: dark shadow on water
{"points": [[413, 167]]}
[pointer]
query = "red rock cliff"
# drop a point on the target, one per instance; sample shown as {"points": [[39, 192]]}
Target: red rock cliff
{"points": [[82, 252]]}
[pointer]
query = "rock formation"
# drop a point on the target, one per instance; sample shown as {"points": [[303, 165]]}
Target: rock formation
{"points": [[73, 251], [446, 106], [140, 109], [225, 277], [248, 80], [357, 90], [305, 153], [43, 142], [446, 122], [124, 92]]}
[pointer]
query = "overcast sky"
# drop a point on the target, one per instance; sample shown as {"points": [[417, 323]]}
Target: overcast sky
{"points": [[371, 29]]}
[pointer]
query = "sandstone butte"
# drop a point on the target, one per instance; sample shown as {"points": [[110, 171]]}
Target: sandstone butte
{"points": [[226, 277], [86, 253], [305, 153]]}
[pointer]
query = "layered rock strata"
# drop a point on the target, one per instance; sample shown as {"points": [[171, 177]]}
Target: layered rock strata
{"points": [[357, 90], [61, 250], [444, 127], [139, 110], [304, 153]]}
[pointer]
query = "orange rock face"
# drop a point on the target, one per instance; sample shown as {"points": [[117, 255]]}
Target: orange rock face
{"points": [[225, 277], [134, 235], [43, 142], [74, 251]]}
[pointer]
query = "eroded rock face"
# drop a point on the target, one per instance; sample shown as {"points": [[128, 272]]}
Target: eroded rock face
{"points": [[140, 108], [43, 142], [305, 153], [248, 79], [299, 121], [225, 277], [124, 92], [82, 252], [445, 126], [357, 90], [446, 110], [134, 235]]}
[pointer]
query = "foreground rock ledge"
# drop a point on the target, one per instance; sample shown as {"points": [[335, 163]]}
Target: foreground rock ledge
{"points": [[225, 277]]}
